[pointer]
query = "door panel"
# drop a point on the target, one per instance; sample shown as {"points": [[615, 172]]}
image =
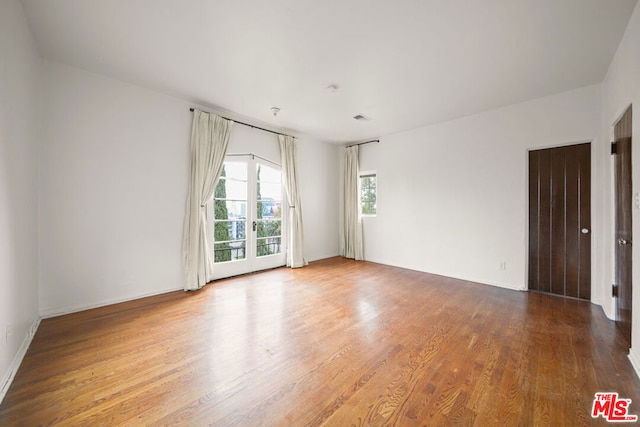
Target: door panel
{"points": [[559, 209], [228, 220], [268, 217], [623, 225]]}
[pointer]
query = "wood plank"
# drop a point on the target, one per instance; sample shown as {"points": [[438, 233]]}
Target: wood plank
{"points": [[336, 343], [584, 256], [558, 221], [545, 222], [534, 220], [571, 219]]}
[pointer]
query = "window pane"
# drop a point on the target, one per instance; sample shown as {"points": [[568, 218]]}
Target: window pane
{"points": [[235, 171], [229, 251], [268, 174], [368, 208], [268, 246], [269, 209], [269, 228], [269, 191], [227, 189], [230, 209], [229, 230], [368, 196]]}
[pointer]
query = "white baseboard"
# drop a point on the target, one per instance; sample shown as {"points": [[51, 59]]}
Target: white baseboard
{"points": [[46, 314], [634, 357], [450, 275], [321, 257], [609, 309], [17, 360]]}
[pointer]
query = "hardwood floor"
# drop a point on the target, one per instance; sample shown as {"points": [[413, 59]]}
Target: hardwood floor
{"points": [[337, 343]]}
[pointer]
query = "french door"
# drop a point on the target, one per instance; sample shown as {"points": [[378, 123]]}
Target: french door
{"points": [[245, 217]]}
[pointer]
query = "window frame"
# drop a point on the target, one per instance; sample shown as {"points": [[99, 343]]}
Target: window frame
{"points": [[361, 175]]}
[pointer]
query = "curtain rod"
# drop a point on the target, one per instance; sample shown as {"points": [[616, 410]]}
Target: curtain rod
{"points": [[362, 143], [247, 124]]}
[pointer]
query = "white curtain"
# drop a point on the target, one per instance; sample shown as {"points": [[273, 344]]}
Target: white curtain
{"points": [[352, 244], [289, 159], [209, 139]]}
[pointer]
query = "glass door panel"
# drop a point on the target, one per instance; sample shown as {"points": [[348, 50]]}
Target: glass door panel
{"points": [[268, 210], [230, 213]]}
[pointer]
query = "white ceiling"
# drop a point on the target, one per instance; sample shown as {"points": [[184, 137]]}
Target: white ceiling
{"points": [[404, 63]]}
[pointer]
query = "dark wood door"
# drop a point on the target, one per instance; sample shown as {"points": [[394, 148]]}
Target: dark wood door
{"points": [[622, 287], [560, 221]]}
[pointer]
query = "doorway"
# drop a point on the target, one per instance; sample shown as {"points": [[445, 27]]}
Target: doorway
{"points": [[560, 221], [622, 289], [245, 217]]}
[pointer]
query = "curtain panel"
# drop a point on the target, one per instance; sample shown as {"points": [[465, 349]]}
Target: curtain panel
{"points": [[209, 140], [352, 243], [289, 160]]}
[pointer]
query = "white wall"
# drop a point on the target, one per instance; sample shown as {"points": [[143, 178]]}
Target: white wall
{"points": [[319, 176], [114, 166], [621, 88], [452, 197], [19, 77], [114, 176]]}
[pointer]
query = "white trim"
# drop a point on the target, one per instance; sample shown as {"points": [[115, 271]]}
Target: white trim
{"points": [[253, 156], [17, 360], [74, 309], [451, 275], [322, 257], [634, 358]]}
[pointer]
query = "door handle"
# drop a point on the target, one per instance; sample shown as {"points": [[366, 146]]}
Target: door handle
{"points": [[585, 231], [255, 225], [623, 242]]}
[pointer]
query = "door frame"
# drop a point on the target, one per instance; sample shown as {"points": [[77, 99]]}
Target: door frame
{"points": [[614, 231], [240, 267]]}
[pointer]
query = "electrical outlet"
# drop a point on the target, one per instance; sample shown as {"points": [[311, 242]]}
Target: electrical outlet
{"points": [[503, 265]]}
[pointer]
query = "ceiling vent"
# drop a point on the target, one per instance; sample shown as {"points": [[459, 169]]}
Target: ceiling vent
{"points": [[361, 118]]}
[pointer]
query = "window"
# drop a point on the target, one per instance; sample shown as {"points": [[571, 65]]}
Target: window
{"points": [[368, 194]]}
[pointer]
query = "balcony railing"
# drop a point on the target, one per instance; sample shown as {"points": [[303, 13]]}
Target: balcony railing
{"points": [[263, 248]]}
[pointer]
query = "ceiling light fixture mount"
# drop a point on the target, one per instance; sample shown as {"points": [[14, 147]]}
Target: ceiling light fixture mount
{"points": [[275, 111], [362, 118]]}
